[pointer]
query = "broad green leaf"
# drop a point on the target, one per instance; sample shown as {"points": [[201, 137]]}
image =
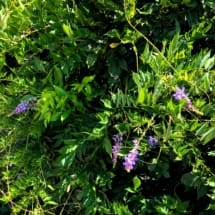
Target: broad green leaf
{"points": [[67, 29], [55, 117], [39, 65], [209, 135], [136, 182], [60, 91], [209, 64], [189, 179], [202, 129], [201, 191], [58, 76], [205, 59], [211, 181], [107, 146]]}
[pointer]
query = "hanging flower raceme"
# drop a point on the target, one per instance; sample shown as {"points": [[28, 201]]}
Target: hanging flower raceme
{"points": [[152, 141], [22, 107], [26, 105], [181, 94], [131, 158], [118, 142]]}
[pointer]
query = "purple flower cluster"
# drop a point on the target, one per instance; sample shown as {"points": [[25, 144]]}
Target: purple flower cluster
{"points": [[22, 107], [131, 158], [152, 141], [181, 94], [26, 105], [118, 142]]}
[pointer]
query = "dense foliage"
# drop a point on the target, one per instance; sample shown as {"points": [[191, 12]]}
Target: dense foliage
{"points": [[107, 107]]}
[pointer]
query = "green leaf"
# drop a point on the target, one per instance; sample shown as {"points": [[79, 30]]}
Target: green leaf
{"points": [[130, 37], [136, 182], [55, 117], [39, 65], [180, 150], [202, 129], [208, 136], [122, 127], [50, 202], [201, 191], [119, 208], [189, 179], [211, 153], [91, 59], [207, 62], [60, 91], [211, 181], [88, 79], [173, 46], [58, 76], [141, 96], [107, 103], [135, 78], [130, 8], [65, 115], [114, 33], [107, 146], [67, 29], [146, 55]]}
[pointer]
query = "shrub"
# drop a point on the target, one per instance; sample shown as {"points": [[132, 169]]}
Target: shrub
{"points": [[107, 107]]}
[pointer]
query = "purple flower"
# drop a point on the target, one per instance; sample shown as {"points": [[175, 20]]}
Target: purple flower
{"points": [[131, 158], [118, 142], [26, 105], [117, 138], [22, 107], [152, 141], [180, 94]]}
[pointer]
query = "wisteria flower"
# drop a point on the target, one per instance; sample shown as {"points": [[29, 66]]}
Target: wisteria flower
{"points": [[22, 107], [118, 142], [131, 158], [152, 141], [26, 105], [117, 138], [180, 94]]}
